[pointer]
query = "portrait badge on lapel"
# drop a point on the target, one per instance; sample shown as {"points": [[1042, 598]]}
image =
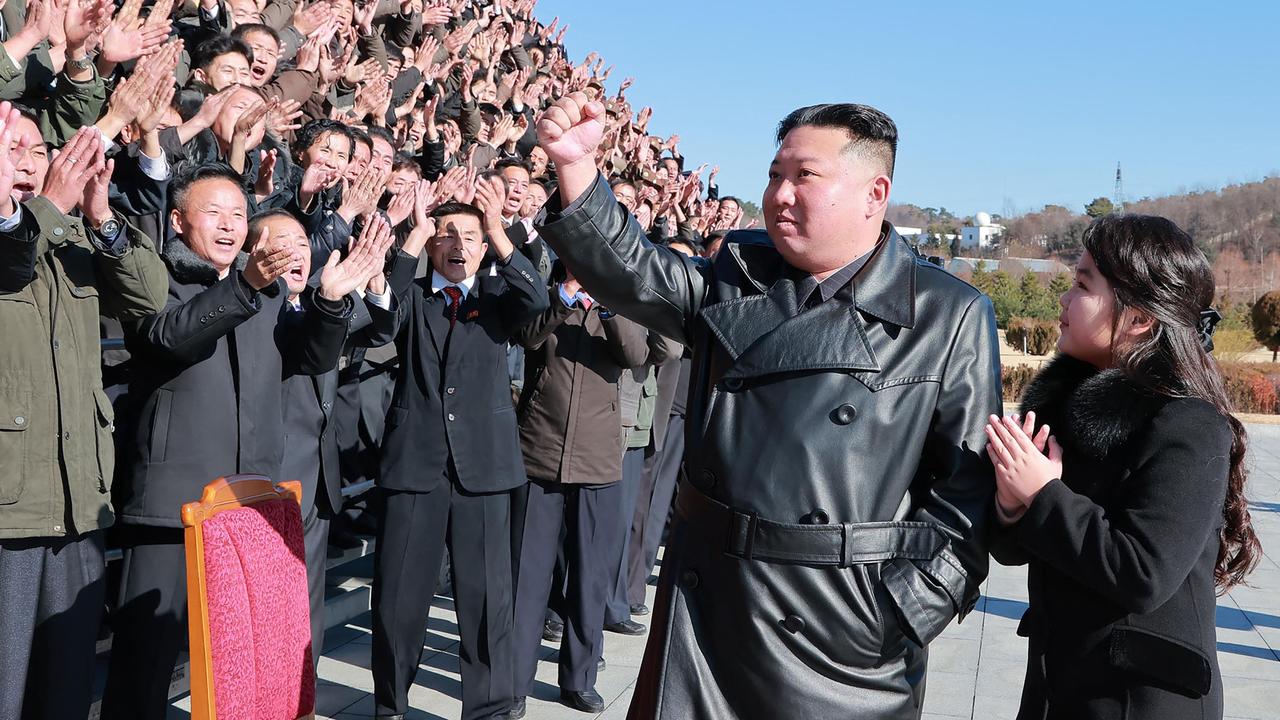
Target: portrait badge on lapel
{"points": [[472, 315]]}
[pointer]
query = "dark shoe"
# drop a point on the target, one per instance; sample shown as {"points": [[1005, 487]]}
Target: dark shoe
{"points": [[600, 665], [517, 709], [640, 609], [552, 631], [345, 539], [584, 700], [389, 717], [626, 627]]}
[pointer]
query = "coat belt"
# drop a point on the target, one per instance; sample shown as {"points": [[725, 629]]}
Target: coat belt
{"points": [[747, 536]]}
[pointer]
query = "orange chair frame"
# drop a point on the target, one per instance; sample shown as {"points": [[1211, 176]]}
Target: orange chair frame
{"points": [[225, 493]]}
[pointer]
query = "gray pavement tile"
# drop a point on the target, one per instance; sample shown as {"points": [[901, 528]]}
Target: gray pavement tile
{"points": [[949, 694], [1000, 679], [332, 698], [951, 655], [986, 707], [1250, 698]]}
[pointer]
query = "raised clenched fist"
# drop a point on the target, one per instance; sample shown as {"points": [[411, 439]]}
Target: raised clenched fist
{"points": [[571, 130]]}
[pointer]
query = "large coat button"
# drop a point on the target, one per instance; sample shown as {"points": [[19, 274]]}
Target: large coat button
{"points": [[793, 623], [689, 579], [733, 384], [844, 414], [817, 517], [708, 480]]}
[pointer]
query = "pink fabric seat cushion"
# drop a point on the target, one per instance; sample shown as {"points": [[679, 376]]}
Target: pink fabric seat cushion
{"points": [[259, 615]]}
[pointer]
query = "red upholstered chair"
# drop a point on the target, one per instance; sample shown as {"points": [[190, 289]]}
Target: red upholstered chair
{"points": [[247, 602]]}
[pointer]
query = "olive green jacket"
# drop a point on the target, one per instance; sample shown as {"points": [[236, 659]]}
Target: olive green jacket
{"points": [[56, 452]]}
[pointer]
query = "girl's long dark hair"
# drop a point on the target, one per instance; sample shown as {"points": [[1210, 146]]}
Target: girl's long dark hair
{"points": [[1155, 267]]}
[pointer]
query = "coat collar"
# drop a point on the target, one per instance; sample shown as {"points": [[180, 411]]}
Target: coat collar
{"points": [[189, 268], [886, 285], [764, 332], [1091, 411]]}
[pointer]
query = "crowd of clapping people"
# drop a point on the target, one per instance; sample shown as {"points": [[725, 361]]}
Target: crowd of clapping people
{"points": [[415, 243], [288, 210]]}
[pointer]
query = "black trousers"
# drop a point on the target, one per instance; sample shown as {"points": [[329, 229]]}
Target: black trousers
{"points": [[149, 624], [52, 590], [618, 609], [652, 508], [589, 514], [315, 539], [415, 531]]}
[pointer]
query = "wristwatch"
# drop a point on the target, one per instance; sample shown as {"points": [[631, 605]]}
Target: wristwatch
{"points": [[81, 64], [109, 229]]}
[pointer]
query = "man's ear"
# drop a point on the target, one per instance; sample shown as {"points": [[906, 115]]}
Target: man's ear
{"points": [[175, 221], [198, 74], [878, 196]]}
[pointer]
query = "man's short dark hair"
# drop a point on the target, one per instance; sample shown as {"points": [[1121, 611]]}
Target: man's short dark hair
{"points": [[871, 133], [242, 30], [403, 160], [383, 134], [311, 133], [216, 47], [457, 208], [731, 197], [515, 162], [619, 182], [186, 177], [361, 137], [255, 224]]}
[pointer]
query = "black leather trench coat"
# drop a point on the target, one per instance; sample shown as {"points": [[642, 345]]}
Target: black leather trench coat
{"points": [[834, 519]]}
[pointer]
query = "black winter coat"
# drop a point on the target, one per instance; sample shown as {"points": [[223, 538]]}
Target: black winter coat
{"points": [[848, 441], [207, 383], [1121, 552]]}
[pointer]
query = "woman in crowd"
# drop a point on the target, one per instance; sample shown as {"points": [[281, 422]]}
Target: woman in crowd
{"points": [[1122, 487]]}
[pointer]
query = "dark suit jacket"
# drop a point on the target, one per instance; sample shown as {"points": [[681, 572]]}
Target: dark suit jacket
{"points": [[369, 325], [458, 411]]}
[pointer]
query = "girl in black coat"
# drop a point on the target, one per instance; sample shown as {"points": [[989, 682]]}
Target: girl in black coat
{"points": [[1122, 488]]}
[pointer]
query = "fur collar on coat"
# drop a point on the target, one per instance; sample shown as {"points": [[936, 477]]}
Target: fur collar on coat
{"points": [[189, 268], [1090, 411]]}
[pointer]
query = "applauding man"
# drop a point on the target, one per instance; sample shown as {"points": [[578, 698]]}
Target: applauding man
{"points": [[57, 273], [451, 454], [833, 520], [206, 404]]}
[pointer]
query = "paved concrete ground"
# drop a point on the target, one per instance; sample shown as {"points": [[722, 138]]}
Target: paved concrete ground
{"points": [[975, 668]]}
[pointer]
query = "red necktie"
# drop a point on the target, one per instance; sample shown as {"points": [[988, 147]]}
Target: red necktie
{"points": [[586, 301], [455, 299]]}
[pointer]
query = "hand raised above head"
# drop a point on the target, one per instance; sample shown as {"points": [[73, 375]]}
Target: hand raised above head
{"points": [[570, 131]]}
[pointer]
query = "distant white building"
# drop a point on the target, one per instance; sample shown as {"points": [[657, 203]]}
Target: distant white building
{"points": [[982, 234], [913, 234]]}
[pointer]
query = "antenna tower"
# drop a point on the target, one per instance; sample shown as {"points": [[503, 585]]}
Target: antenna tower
{"points": [[1118, 200]]}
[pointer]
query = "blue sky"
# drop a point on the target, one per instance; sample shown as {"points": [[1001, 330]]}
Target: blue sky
{"points": [[1000, 106]]}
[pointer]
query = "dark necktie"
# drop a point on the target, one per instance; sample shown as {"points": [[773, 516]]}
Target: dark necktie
{"points": [[455, 299]]}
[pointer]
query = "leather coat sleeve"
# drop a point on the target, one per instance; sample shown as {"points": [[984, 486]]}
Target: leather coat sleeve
{"points": [[960, 484], [606, 250], [377, 326]]}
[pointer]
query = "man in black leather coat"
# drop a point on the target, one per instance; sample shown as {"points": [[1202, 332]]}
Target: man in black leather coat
{"points": [[834, 518]]}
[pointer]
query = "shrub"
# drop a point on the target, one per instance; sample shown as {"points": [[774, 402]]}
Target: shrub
{"points": [[1014, 380], [1251, 388], [1266, 321], [1041, 336]]}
